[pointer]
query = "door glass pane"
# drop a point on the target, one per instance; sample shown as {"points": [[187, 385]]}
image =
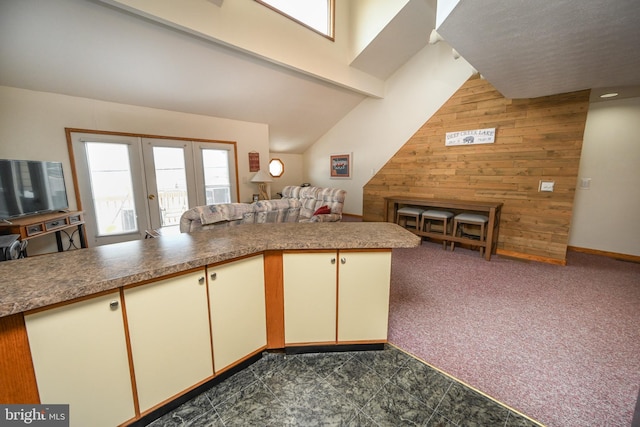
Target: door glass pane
{"points": [[171, 179], [217, 184], [111, 188]]}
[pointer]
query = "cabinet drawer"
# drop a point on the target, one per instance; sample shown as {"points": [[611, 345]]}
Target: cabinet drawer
{"points": [[55, 223], [73, 219], [35, 229]]}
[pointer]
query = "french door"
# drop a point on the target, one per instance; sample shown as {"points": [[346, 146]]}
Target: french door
{"points": [[170, 180], [130, 184]]}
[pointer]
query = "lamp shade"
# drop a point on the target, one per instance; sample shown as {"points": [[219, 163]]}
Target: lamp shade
{"points": [[261, 176]]}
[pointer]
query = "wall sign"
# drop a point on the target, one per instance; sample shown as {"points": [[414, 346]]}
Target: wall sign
{"points": [[469, 137]]}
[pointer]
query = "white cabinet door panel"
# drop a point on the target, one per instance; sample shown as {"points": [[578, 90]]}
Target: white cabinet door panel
{"points": [[363, 295], [80, 357], [170, 340], [309, 297], [238, 312]]}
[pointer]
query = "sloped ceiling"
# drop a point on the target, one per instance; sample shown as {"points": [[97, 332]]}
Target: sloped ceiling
{"points": [[87, 49], [403, 37], [524, 48], [528, 49]]}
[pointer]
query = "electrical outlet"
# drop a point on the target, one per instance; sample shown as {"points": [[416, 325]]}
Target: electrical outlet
{"points": [[546, 186]]}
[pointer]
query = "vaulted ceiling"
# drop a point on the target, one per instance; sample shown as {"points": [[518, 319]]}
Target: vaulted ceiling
{"points": [[88, 49]]}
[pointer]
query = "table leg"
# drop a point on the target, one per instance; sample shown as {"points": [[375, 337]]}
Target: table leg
{"points": [[490, 233], [385, 215], [83, 241], [59, 241]]}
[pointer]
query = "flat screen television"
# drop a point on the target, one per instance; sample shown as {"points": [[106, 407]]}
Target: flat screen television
{"points": [[29, 187]]}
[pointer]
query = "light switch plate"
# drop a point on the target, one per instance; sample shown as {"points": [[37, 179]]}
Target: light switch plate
{"points": [[585, 183], [546, 186]]}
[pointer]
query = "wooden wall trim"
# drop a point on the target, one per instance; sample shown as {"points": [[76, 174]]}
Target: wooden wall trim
{"points": [[526, 257], [17, 375], [615, 255]]}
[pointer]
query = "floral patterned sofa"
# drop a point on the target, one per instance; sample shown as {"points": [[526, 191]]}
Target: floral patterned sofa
{"points": [[298, 204]]}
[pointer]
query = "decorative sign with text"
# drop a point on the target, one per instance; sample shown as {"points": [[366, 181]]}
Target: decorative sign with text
{"points": [[470, 137]]}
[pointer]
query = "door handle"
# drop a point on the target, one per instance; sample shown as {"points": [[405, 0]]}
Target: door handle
{"points": [[151, 196]]}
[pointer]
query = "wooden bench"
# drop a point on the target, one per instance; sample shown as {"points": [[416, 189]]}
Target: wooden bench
{"points": [[491, 209]]}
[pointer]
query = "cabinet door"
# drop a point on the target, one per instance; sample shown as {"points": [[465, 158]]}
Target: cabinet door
{"points": [[80, 357], [238, 312], [363, 295], [168, 325], [309, 297]]}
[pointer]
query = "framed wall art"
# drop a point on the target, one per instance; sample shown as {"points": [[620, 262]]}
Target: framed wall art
{"points": [[341, 165], [254, 161]]}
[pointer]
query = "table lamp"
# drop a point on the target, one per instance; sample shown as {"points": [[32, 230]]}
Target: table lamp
{"points": [[261, 178]]}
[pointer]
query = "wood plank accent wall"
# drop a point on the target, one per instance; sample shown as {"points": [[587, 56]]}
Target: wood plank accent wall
{"points": [[536, 139]]}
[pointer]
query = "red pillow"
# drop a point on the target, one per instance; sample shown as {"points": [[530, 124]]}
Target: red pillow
{"points": [[322, 210]]}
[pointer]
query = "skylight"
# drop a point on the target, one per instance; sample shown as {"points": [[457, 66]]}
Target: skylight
{"points": [[316, 15]]}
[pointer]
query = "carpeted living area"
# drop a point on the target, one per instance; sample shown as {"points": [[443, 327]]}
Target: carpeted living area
{"points": [[559, 344]]}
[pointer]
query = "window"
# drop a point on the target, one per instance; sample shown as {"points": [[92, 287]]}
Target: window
{"points": [[171, 183], [316, 15], [112, 187], [217, 180], [130, 183], [276, 168]]}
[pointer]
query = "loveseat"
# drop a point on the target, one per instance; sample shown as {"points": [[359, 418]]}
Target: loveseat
{"points": [[298, 204]]}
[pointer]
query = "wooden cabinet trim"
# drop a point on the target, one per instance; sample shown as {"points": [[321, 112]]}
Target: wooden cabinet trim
{"points": [[274, 298], [17, 375], [132, 374]]}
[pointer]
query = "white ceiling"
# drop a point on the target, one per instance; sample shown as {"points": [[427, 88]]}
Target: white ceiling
{"points": [[528, 49], [524, 48]]}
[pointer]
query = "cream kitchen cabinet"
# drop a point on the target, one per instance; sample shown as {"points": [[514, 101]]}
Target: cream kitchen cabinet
{"points": [[79, 353], [168, 324], [336, 296], [309, 297], [238, 311], [363, 295]]}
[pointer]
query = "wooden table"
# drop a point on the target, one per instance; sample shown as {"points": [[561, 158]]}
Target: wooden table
{"points": [[30, 227], [492, 209]]}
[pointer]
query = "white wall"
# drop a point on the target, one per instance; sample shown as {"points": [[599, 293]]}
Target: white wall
{"points": [[377, 128], [253, 28], [605, 216], [367, 19], [292, 175], [32, 127]]}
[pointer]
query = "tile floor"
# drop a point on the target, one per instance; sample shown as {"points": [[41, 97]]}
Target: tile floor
{"points": [[368, 388]]}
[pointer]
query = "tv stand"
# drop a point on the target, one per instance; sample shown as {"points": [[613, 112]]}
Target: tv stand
{"points": [[31, 227]]}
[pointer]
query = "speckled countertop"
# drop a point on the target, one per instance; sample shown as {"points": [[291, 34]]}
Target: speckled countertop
{"points": [[40, 281]]}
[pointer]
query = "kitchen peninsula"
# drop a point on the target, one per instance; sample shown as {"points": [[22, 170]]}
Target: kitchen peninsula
{"points": [[154, 320]]}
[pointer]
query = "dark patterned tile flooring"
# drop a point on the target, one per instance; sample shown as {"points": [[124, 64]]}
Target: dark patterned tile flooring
{"points": [[368, 388]]}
